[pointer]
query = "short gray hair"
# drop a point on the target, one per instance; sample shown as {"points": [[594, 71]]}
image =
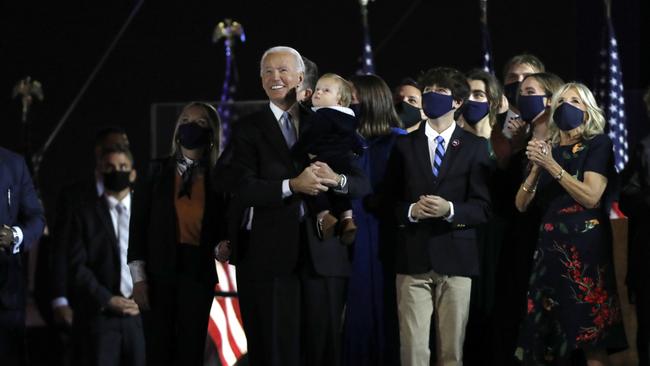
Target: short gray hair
{"points": [[284, 49]]}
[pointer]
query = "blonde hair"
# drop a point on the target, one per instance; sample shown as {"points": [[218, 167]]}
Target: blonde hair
{"points": [[595, 121], [345, 88], [214, 150]]}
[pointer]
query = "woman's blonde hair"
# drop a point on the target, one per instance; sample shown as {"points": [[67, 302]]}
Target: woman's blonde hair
{"points": [[595, 121], [214, 149]]}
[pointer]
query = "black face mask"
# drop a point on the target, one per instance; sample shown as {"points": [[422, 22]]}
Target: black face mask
{"points": [[408, 114], [511, 91], [192, 136], [116, 181]]}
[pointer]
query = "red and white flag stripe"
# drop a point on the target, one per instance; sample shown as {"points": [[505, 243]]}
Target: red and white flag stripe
{"points": [[225, 326]]}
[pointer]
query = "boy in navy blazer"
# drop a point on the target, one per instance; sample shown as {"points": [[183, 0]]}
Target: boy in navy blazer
{"points": [[436, 183]]}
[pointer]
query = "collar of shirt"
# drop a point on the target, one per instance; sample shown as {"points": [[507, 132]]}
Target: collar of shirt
{"points": [[446, 134], [112, 202], [339, 108], [277, 112], [99, 185], [183, 164]]}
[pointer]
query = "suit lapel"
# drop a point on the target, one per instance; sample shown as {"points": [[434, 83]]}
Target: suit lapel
{"points": [[453, 148], [105, 218], [421, 148]]}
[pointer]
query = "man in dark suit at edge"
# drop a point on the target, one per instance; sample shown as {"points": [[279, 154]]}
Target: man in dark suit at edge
{"points": [[21, 225], [291, 285]]}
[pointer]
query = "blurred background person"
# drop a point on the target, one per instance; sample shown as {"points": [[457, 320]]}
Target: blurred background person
{"points": [[407, 97], [21, 225], [306, 89], [635, 202], [515, 259], [57, 308], [514, 72], [107, 327], [371, 334], [176, 221], [572, 298], [69, 199], [478, 116]]}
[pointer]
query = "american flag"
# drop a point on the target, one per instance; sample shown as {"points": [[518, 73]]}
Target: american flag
{"points": [[368, 66], [487, 44], [225, 325], [611, 95]]}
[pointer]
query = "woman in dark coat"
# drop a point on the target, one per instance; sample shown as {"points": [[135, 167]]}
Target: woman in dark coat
{"points": [[177, 220], [371, 335]]}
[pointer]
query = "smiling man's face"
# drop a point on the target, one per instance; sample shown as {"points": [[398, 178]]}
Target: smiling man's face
{"points": [[280, 77]]}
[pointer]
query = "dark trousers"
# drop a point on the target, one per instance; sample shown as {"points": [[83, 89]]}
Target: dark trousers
{"points": [[293, 319], [109, 340], [12, 337], [176, 327]]}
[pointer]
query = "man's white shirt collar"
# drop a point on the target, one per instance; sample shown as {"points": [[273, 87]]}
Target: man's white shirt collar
{"points": [[446, 134]]}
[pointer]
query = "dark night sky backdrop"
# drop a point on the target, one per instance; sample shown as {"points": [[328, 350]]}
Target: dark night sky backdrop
{"points": [[166, 55]]}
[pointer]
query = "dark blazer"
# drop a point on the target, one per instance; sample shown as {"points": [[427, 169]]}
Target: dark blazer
{"points": [[152, 233], [69, 200], [94, 259], [330, 135], [24, 210], [262, 160], [435, 244]]}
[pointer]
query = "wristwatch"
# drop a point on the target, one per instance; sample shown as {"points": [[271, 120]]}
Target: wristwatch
{"points": [[15, 236], [341, 182]]}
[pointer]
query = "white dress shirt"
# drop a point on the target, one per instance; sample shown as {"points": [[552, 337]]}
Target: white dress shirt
{"points": [[122, 235], [433, 145]]}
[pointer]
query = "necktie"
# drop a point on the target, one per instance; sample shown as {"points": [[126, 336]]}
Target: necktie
{"points": [[288, 129], [439, 154], [126, 283]]}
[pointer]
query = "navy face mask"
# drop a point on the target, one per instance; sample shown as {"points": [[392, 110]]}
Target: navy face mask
{"points": [[435, 104], [530, 106], [567, 117], [192, 136], [475, 111], [408, 114], [511, 91]]}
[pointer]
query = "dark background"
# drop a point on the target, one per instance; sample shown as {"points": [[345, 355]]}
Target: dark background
{"points": [[166, 55]]}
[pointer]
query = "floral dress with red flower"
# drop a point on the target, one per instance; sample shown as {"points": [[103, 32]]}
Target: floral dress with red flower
{"points": [[572, 297]]}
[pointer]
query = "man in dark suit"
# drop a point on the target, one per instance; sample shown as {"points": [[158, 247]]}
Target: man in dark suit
{"points": [[291, 285], [436, 182], [69, 200], [21, 224], [107, 326]]}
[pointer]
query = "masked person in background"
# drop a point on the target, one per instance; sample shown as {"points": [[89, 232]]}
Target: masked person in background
{"points": [[407, 98], [513, 74], [107, 327], [176, 222], [478, 116], [534, 101]]}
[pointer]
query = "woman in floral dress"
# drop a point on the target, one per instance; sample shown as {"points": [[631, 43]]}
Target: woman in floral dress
{"points": [[572, 298]]}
